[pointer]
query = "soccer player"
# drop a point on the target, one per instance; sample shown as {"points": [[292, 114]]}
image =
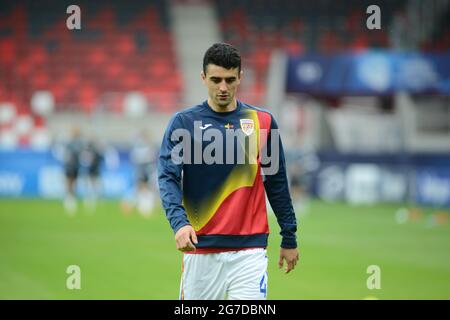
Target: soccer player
{"points": [[71, 169], [217, 208], [91, 158], [143, 156]]}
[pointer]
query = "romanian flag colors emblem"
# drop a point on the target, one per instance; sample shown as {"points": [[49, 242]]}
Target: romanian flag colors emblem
{"points": [[247, 126]]}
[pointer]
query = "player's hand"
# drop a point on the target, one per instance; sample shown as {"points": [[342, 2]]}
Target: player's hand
{"points": [[291, 256], [186, 238]]}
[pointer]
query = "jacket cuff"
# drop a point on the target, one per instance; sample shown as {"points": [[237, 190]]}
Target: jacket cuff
{"points": [[179, 224], [288, 243]]}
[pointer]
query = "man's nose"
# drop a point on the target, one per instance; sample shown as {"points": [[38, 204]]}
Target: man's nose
{"points": [[223, 86]]}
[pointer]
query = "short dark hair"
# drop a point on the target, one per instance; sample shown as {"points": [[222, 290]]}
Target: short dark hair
{"points": [[223, 55]]}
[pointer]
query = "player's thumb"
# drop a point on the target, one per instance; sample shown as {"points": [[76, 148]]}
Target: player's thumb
{"points": [[194, 237]]}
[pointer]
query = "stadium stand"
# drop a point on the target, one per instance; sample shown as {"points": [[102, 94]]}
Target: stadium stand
{"points": [[123, 47], [296, 27]]}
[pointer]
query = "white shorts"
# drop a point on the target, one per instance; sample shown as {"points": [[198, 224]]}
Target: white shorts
{"points": [[234, 275]]}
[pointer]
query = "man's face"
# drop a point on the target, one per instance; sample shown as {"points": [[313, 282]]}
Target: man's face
{"points": [[222, 84]]}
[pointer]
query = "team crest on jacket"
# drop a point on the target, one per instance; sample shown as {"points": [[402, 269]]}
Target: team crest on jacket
{"points": [[247, 126]]}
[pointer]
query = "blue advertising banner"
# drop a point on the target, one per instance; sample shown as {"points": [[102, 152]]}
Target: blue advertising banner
{"points": [[40, 174], [357, 178], [432, 186], [368, 179], [373, 72]]}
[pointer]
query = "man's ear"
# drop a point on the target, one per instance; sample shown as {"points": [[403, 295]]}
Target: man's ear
{"points": [[203, 76], [240, 76]]}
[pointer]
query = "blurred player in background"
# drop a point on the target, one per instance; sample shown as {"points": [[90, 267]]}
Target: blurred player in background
{"points": [[301, 168], [143, 156], [72, 151], [295, 184], [91, 159], [218, 211]]}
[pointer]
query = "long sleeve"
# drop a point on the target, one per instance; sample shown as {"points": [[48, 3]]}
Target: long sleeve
{"points": [[277, 190], [170, 177]]}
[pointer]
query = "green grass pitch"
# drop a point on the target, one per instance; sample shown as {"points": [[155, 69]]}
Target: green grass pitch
{"points": [[131, 257]]}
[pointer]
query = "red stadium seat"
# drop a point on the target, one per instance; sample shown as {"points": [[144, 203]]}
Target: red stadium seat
{"points": [[7, 51]]}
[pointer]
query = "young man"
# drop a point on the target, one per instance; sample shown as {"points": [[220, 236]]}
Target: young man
{"points": [[214, 202]]}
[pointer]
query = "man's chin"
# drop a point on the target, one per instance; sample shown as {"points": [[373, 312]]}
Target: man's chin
{"points": [[223, 104]]}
